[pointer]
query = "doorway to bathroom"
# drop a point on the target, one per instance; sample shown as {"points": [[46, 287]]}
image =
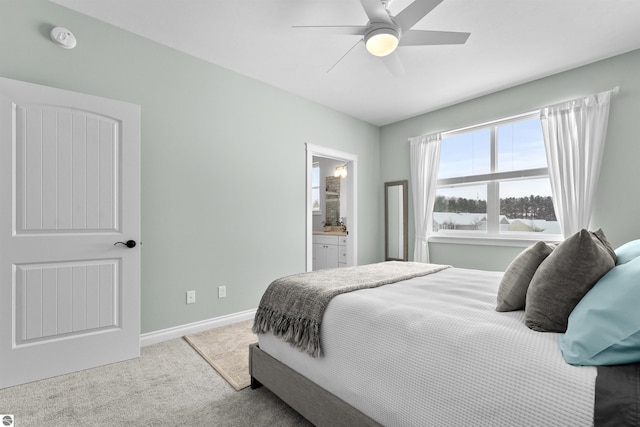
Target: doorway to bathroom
{"points": [[340, 191]]}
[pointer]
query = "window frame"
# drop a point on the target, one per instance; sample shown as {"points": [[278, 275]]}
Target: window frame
{"points": [[492, 181]]}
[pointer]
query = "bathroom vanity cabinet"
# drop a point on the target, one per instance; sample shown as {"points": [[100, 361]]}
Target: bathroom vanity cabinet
{"points": [[329, 251]]}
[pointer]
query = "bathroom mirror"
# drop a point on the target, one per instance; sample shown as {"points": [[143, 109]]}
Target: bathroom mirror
{"points": [[332, 200], [395, 221]]}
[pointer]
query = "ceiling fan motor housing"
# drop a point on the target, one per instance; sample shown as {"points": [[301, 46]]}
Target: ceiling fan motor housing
{"points": [[382, 38]]}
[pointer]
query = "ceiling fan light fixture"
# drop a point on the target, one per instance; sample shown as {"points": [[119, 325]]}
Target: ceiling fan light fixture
{"points": [[382, 41]]}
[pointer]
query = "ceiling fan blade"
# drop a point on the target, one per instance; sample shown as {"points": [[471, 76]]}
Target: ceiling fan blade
{"points": [[426, 37], [394, 64], [376, 11], [348, 30], [414, 13], [342, 57]]}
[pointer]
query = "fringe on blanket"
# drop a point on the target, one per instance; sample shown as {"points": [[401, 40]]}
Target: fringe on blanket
{"points": [[304, 333]]}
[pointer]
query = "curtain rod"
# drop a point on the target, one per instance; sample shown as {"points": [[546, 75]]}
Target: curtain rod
{"points": [[614, 91]]}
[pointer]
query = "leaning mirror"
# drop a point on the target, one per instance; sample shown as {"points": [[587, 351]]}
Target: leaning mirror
{"points": [[395, 221]]}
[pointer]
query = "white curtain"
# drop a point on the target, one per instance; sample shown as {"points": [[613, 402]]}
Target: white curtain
{"points": [[425, 158], [574, 136]]}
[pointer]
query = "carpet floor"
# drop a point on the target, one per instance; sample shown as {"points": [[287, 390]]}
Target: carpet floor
{"points": [[169, 385]]}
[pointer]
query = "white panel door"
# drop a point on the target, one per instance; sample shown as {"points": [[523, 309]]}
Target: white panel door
{"points": [[69, 190]]}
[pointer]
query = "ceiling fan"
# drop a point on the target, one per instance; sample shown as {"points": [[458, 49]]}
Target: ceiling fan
{"points": [[384, 32]]}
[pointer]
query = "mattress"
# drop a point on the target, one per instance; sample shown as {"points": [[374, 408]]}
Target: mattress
{"points": [[432, 351]]}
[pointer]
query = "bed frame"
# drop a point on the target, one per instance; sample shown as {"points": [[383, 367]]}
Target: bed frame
{"points": [[310, 400]]}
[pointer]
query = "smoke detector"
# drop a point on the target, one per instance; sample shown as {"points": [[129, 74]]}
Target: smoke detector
{"points": [[63, 37]]}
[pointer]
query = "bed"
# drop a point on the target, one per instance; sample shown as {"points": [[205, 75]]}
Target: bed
{"points": [[432, 350]]}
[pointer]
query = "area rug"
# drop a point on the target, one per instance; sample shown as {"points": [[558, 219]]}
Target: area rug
{"points": [[227, 349]]}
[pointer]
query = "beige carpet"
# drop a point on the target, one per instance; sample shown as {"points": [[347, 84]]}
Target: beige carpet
{"points": [[227, 350], [170, 384]]}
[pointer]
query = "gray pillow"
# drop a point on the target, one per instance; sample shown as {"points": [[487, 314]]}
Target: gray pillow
{"points": [[565, 277], [599, 234], [512, 292]]}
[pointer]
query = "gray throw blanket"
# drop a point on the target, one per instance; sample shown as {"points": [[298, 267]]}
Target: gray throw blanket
{"points": [[292, 306]]}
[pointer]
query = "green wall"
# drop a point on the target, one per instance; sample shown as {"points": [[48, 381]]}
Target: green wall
{"points": [[617, 208], [223, 160]]}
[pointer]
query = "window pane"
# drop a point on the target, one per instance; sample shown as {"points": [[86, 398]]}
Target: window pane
{"points": [[461, 209], [465, 154], [315, 187], [490, 158], [521, 146], [526, 207]]}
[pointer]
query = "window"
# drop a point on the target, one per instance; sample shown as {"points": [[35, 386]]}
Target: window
{"points": [[493, 181], [315, 187]]}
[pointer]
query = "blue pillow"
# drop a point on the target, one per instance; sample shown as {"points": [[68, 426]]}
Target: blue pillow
{"points": [[604, 328], [628, 251]]}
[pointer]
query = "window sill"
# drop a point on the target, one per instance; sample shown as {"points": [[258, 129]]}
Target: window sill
{"points": [[515, 241]]}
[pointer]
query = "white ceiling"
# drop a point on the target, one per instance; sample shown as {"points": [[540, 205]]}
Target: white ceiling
{"points": [[511, 42]]}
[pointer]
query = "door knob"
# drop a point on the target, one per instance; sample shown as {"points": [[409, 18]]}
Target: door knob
{"points": [[129, 243]]}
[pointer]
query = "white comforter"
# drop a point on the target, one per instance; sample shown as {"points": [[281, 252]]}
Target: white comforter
{"points": [[432, 351]]}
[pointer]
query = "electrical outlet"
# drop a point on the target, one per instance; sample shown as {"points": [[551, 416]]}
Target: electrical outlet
{"points": [[222, 291], [191, 297]]}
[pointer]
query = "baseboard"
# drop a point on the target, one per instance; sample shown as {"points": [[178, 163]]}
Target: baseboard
{"points": [[190, 328]]}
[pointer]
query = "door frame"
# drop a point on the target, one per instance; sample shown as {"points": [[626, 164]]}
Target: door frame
{"points": [[352, 200]]}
